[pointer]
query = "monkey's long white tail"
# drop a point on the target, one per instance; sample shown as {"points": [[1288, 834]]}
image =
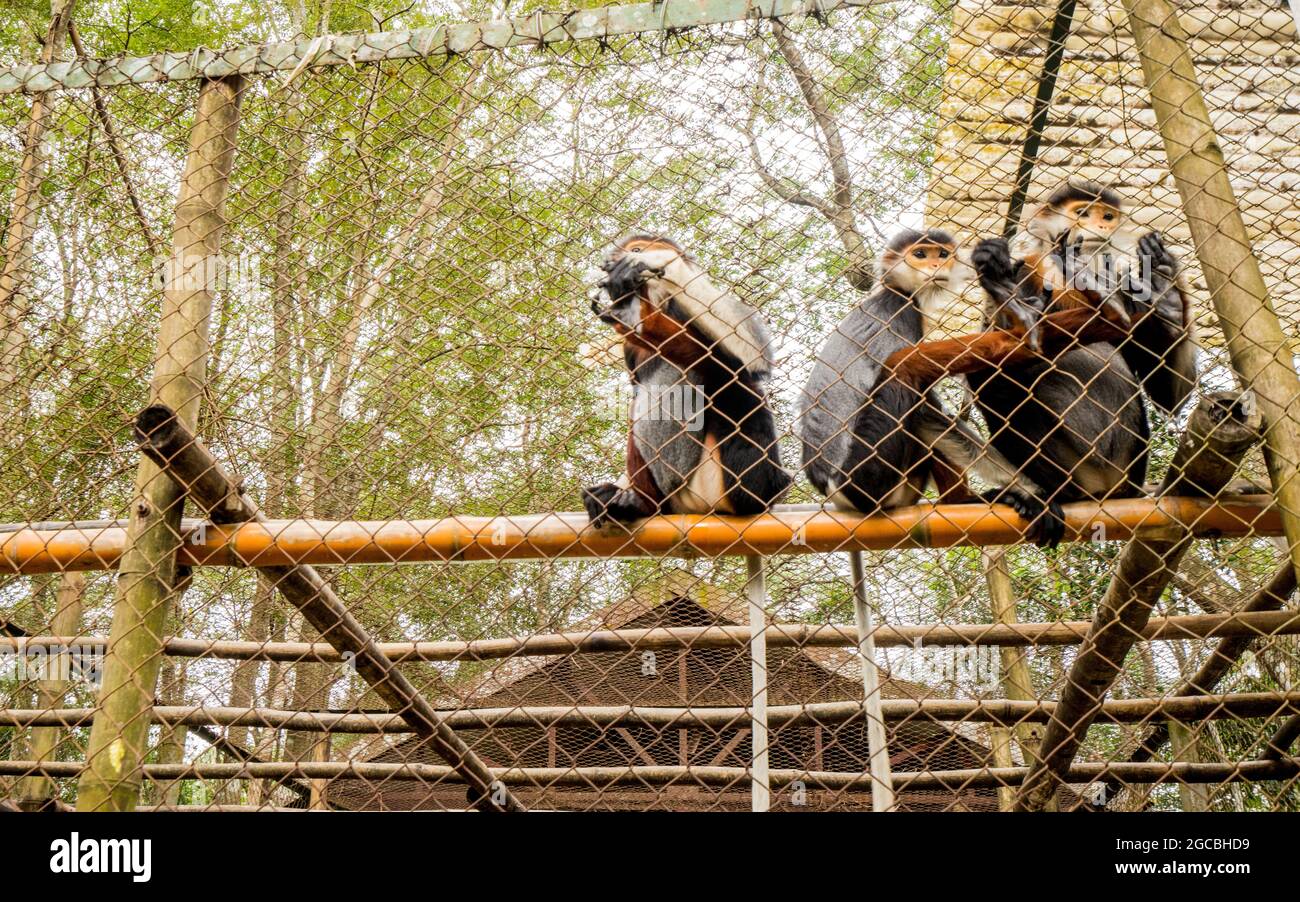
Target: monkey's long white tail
{"points": [[882, 778]]}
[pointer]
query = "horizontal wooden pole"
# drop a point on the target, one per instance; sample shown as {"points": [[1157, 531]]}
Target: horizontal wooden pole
{"points": [[736, 778], [439, 41], [1005, 712], [1252, 625], [569, 536]]}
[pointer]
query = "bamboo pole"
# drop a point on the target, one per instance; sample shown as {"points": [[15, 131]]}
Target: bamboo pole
{"points": [[148, 567], [37, 792], [169, 443], [756, 596], [1001, 712], [1261, 353], [15, 274], [554, 536], [1017, 682], [1244, 624], [882, 783], [596, 779], [1219, 433]]}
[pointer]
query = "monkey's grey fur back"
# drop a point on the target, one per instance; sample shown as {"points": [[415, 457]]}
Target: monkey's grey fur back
{"points": [[847, 367]]}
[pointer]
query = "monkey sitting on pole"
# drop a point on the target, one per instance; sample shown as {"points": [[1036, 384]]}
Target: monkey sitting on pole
{"points": [[1080, 233], [873, 439], [1076, 420], [702, 437]]}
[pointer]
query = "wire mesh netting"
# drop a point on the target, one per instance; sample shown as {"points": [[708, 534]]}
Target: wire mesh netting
{"points": [[397, 287]]}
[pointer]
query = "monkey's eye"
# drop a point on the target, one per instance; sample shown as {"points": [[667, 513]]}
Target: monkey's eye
{"points": [[918, 254], [943, 255], [1108, 217]]}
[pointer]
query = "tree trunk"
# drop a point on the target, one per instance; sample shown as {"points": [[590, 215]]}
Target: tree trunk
{"points": [[38, 791], [147, 571], [1261, 352], [16, 273]]}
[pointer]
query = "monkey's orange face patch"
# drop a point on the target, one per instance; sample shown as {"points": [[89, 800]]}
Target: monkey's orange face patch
{"points": [[645, 243], [928, 260], [1094, 217]]}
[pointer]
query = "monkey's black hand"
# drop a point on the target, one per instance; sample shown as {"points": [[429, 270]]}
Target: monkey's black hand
{"points": [[626, 276], [992, 261], [1153, 253], [1010, 307], [1046, 518]]}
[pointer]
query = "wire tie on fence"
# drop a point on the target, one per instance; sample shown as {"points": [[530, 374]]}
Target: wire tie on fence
{"points": [[193, 61], [313, 51], [424, 44]]}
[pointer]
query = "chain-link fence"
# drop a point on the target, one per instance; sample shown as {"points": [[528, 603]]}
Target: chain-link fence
{"points": [[366, 271]]}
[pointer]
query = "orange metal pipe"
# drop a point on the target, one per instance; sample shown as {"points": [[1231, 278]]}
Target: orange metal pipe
{"points": [[568, 536]]}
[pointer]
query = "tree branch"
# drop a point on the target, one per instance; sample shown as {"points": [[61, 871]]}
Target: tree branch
{"points": [[839, 210]]}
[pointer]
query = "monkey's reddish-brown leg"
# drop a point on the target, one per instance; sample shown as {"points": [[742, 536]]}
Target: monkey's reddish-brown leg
{"points": [[950, 482], [638, 473], [925, 363]]}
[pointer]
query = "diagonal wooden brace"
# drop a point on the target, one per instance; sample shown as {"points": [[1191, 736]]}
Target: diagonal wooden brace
{"points": [[168, 443], [1219, 433]]}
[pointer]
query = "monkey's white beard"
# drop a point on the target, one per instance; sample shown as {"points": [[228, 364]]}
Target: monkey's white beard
{"points": [[936, 299]]}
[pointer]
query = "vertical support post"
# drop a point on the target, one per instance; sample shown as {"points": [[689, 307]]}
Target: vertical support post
{"points": [[756, 595], [1016, 680], [882, 778], [1184, 747], [320, 751], [38, 790], [15, 274], [147, 571], [1261, 353]]}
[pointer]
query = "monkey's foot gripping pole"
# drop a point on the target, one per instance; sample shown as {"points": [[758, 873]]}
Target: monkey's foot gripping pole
{"points": [[882, 778], [168, 443]]}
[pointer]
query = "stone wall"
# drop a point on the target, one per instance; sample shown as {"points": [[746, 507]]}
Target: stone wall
{"points": [[1102, 126]]}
